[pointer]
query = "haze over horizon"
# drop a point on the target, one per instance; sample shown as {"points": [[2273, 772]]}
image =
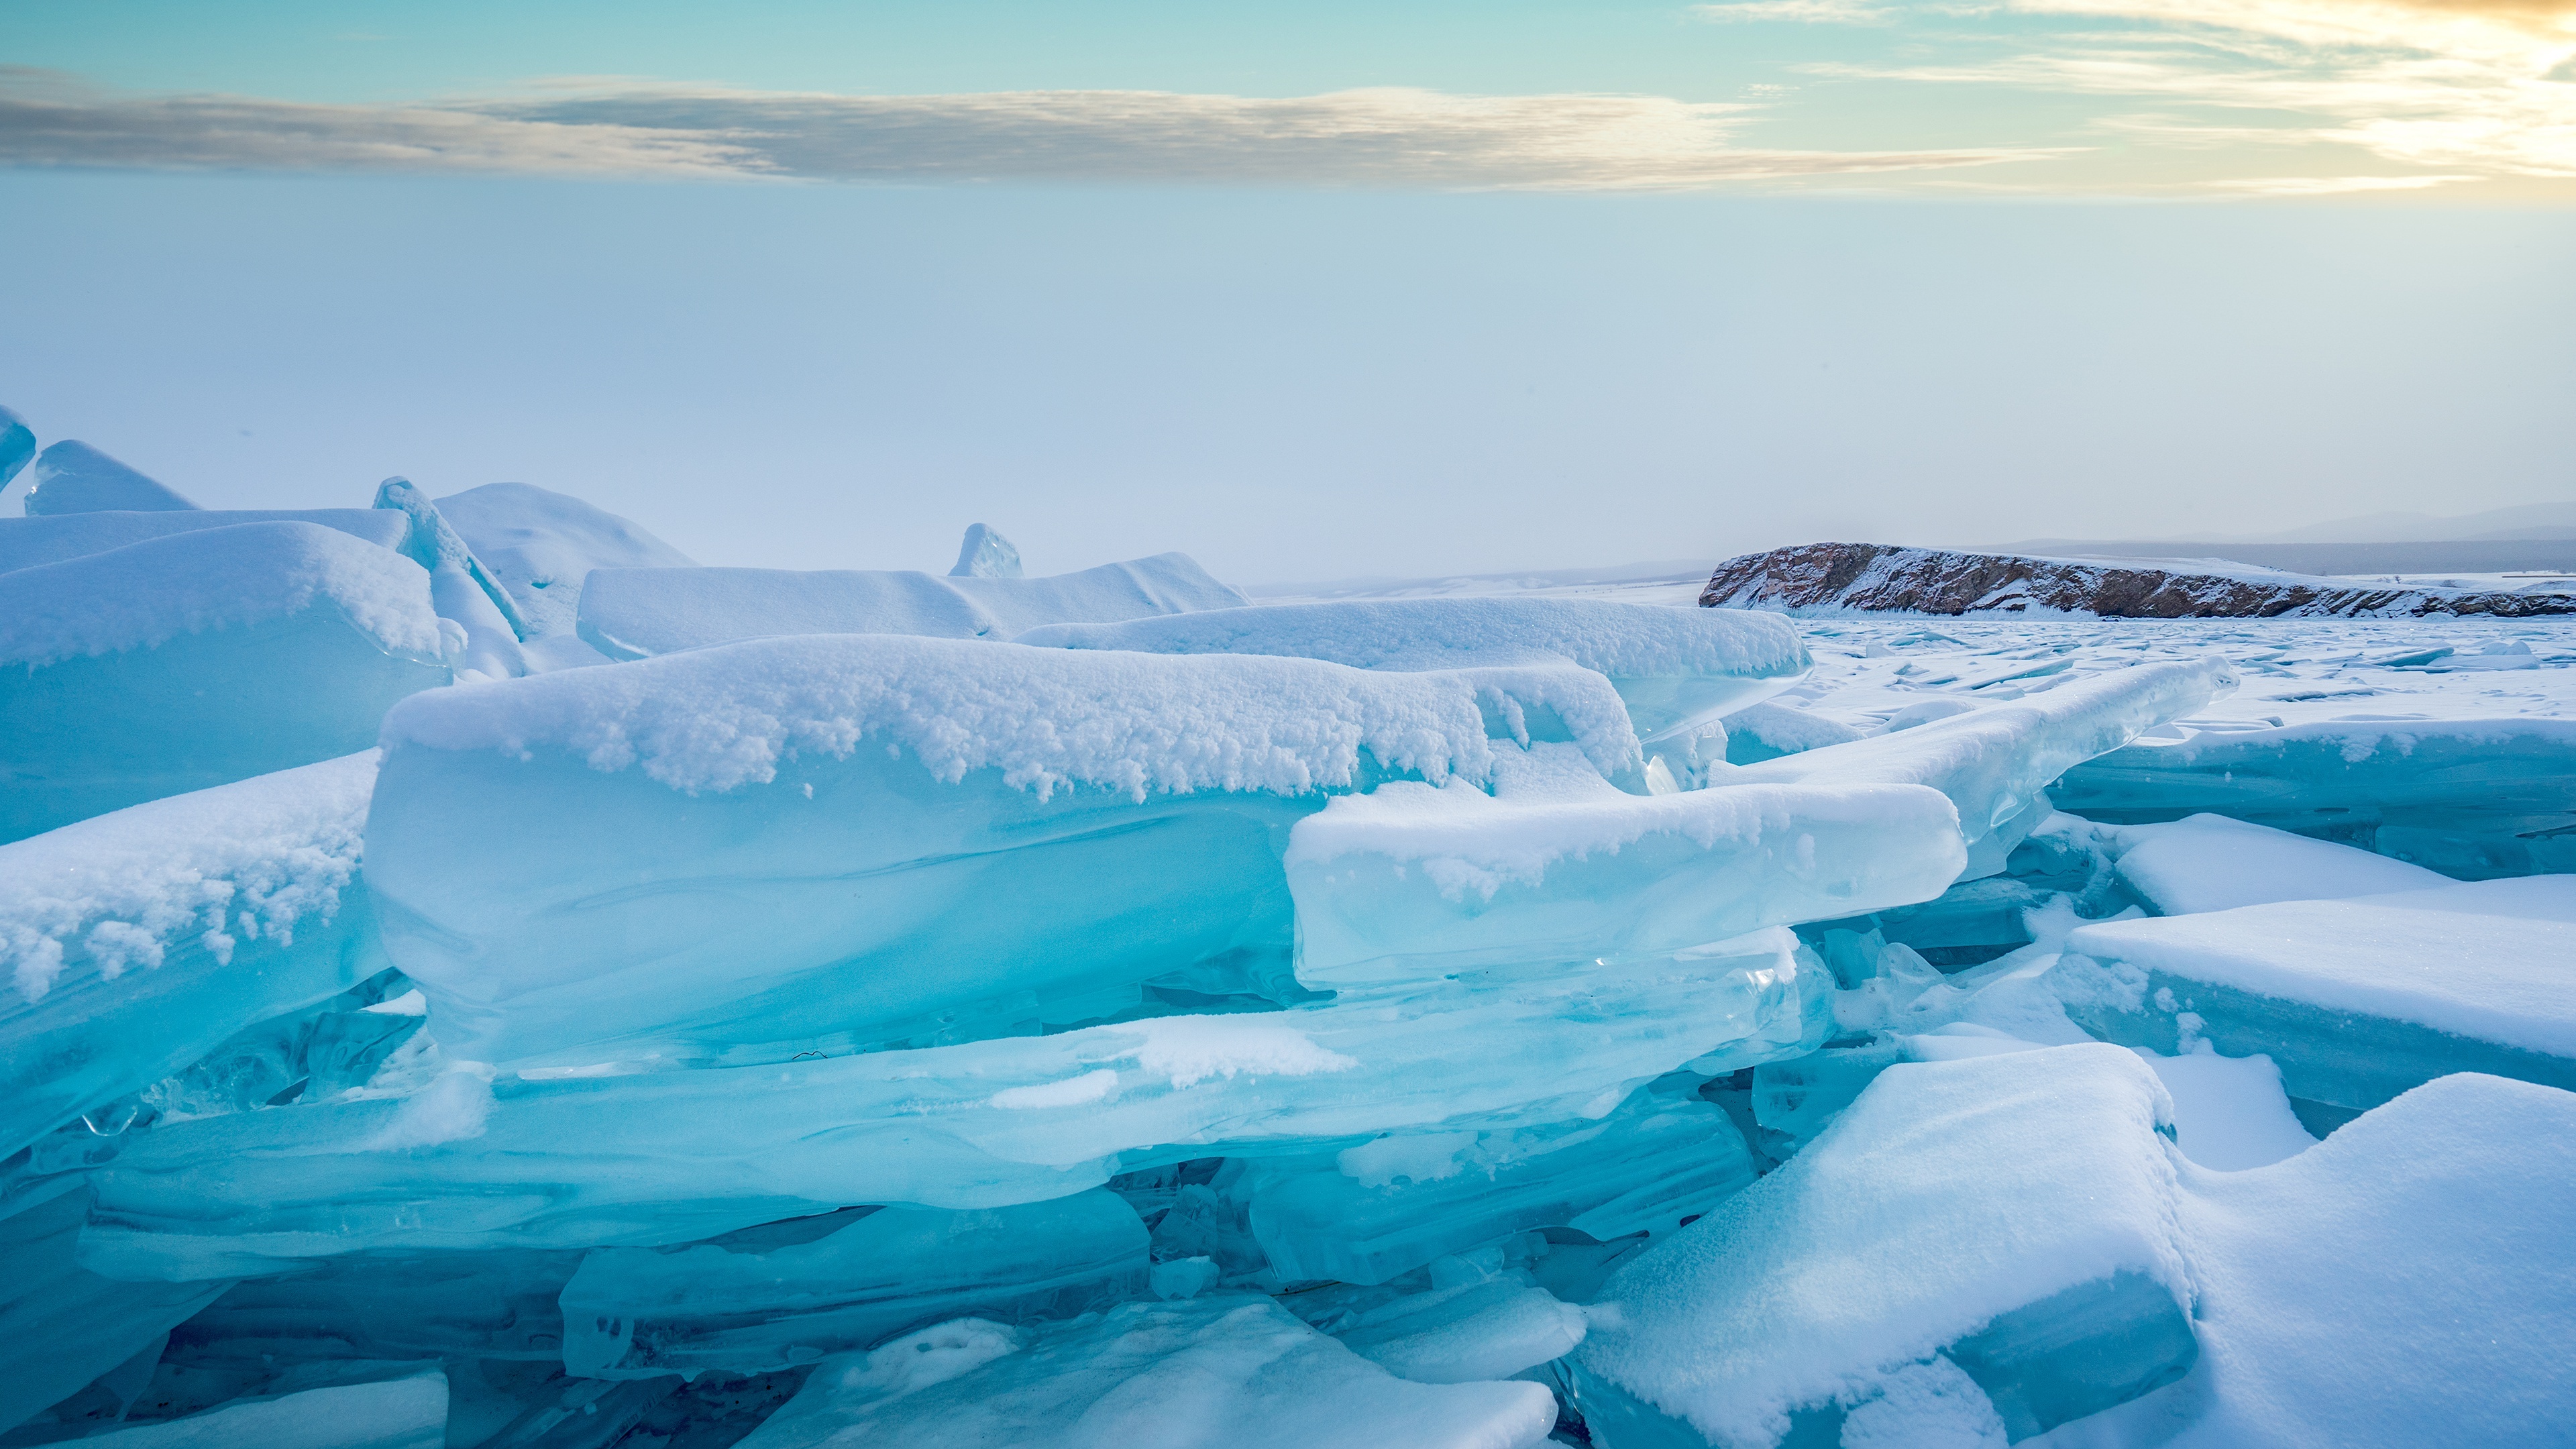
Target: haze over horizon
{"points": [[1308, 295]]}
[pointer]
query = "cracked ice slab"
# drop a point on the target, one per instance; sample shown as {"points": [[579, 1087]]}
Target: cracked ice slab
{"points": [[671, 1157], [2357, 999], [1373, 1212], [1677, 669], [786, 845], [1409, 880], [138, 941], [1993, 763], [2010, 1216], [756, 1302], [2212, 863], [2471, 797], [636, 613], [198, 659]]}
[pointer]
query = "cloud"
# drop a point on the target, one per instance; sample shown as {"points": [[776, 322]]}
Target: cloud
{"points": [[1803, 12], [49, 120], [1390, 138], [2332, 185], [2462, 87]]}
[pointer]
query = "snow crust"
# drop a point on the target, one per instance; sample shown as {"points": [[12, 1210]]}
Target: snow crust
{"points": [[721, 718], [73, 477], [2486, 960], [44, 539], [1993, 762], [146, 593], [1223, 1372], [402, 1413], [2212, 863], [633, 613], [2422, 1247], [1950, 1193], [1678, 669], [1410, 870]]}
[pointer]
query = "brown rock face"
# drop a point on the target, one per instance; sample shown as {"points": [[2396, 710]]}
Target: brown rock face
{"points": [[1876, 576]]}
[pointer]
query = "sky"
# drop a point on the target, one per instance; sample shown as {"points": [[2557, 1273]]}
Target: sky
{"points": [[1307, 290]]}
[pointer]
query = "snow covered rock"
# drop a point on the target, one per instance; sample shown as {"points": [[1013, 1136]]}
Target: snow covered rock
{"points": [[1991, 1240], [636, 613], [1834, 578], [73, 477], [2359, 999], [1219, 1372], [540, 547], [200, 658]]}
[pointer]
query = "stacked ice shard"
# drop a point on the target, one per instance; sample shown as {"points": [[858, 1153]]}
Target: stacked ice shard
{"points": [[735, 1006]]}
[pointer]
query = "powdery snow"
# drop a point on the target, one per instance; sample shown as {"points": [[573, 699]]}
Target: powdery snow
{"points": [[2404, 1283], [1620, 640], [44, 539], [719, 718], [631, 613], [239, 861], [2212, 863], [145, 593]]}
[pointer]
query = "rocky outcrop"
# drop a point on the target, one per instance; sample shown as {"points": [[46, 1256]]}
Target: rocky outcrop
{"points": [[1871, 577]]}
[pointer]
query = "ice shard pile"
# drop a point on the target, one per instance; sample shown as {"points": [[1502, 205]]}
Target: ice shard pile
{"points": [[471, 977]]}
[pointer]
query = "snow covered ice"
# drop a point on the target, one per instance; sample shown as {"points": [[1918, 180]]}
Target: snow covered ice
{"points": [[471, 976]]}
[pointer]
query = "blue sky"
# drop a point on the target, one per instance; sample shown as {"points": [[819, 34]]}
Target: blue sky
{"points": [[1307, 290]]}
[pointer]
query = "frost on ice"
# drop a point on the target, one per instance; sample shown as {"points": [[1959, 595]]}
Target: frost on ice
{"points": [[470, 976]]}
